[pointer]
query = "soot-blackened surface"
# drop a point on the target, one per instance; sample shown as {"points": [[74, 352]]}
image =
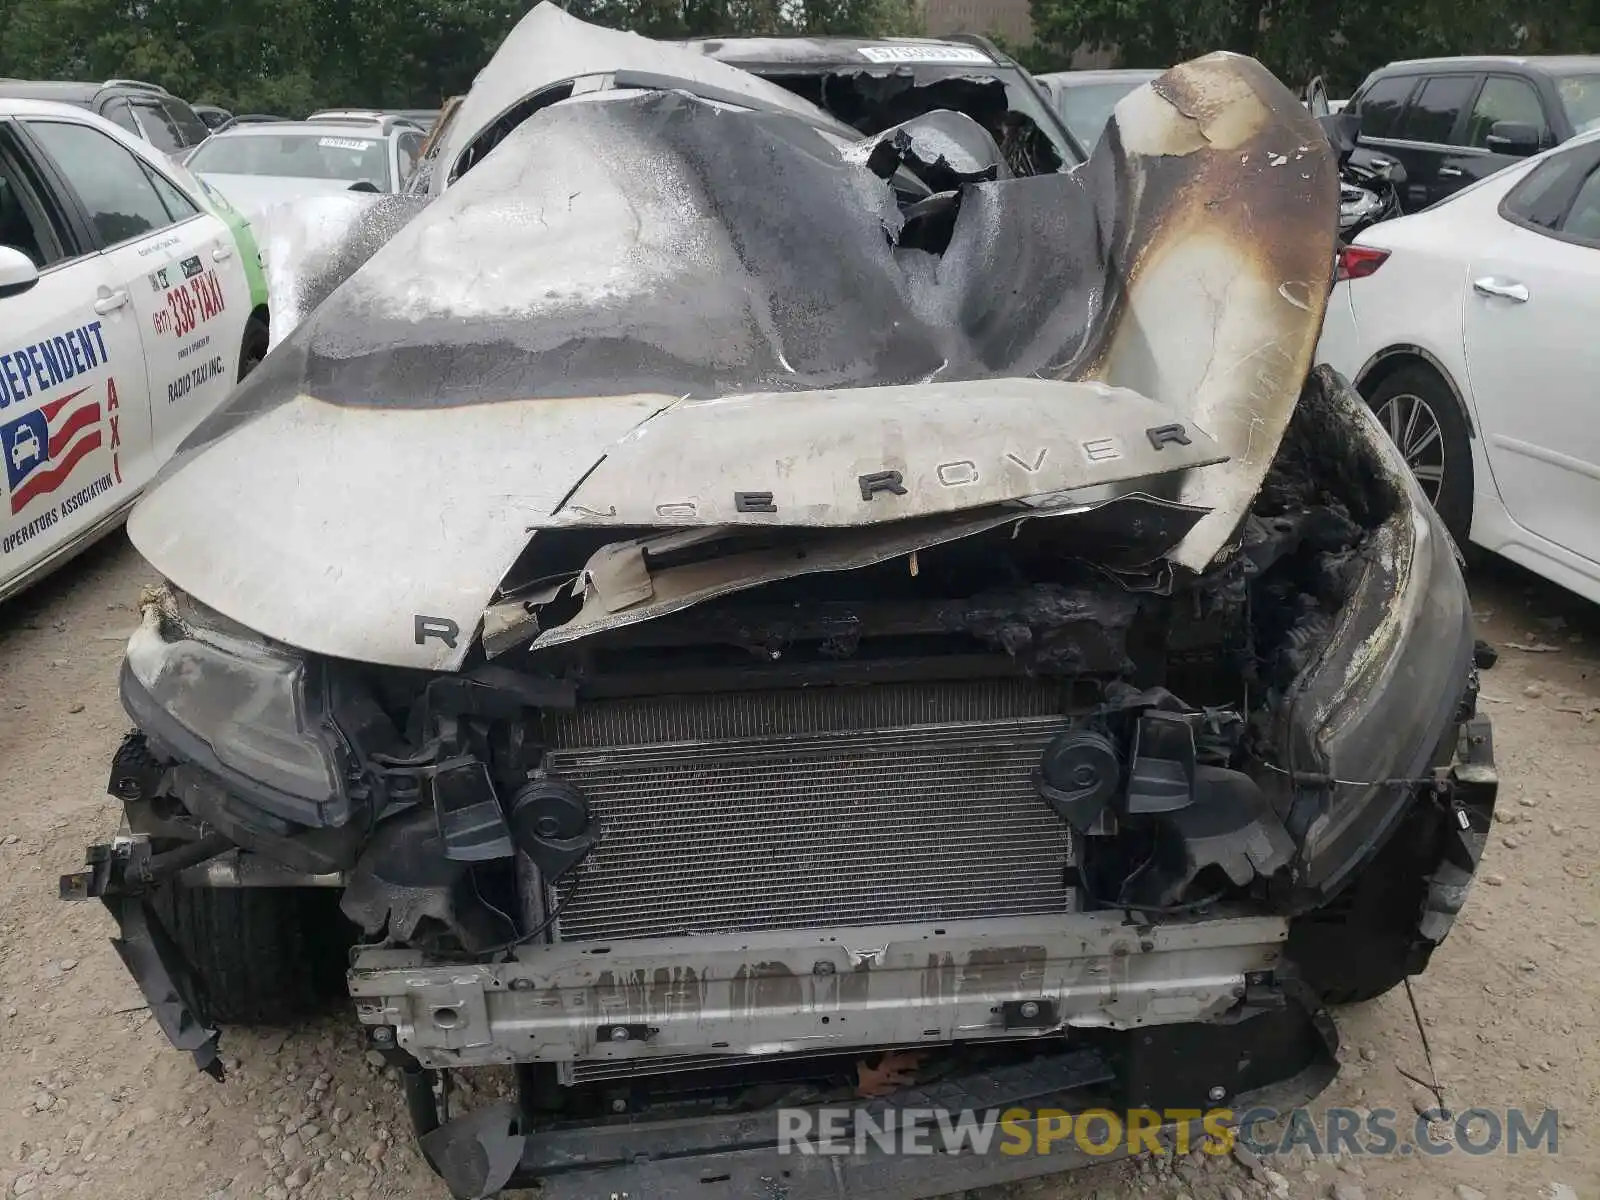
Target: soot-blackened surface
{"points": [[654, 244], [658, 244]]}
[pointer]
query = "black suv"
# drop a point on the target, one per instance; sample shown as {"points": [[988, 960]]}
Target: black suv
{"points": [[1450, 121], [146, 110]]}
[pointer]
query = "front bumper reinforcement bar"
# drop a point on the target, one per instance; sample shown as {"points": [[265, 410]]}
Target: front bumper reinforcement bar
{"points": [[833, 990]]}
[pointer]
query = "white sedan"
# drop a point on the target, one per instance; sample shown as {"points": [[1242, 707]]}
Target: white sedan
{"points": [[128, 309], [262, 164], [1473, 330]]}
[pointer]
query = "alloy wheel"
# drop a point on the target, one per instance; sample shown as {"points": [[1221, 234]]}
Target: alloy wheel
{"points": [[1414, 428]]}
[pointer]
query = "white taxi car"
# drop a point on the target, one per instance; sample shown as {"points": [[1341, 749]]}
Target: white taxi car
{"points": [[130, 304]]}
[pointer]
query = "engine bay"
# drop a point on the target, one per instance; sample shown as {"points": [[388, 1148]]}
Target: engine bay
{"points": [[1119, 725]]}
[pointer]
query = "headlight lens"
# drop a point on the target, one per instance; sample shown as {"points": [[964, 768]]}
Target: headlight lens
{"points": [[243, 698]]}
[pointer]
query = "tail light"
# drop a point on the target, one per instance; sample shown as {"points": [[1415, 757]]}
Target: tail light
{"points": [[1357, 262]]}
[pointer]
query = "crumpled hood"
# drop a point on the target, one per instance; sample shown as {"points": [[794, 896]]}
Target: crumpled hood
{"points": [[380, 521], [370, 519], [549, 46], [490, 370]]}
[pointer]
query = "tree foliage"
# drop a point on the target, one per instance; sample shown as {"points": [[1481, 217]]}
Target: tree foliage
{"points": [[1341, 40], [292, 56], [775, 18]]}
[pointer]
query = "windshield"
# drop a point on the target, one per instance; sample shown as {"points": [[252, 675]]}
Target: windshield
{"points": [[322, 155], [1086, 109], [169, 127], [1580, 96], [874, 99]]}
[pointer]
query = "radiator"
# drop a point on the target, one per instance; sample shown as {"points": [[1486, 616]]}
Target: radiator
{"points": [[812, 808]]}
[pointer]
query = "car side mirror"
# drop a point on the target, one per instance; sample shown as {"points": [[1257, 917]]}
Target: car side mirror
{"points": [[1514, 138], [17, 272], [363, 185]]}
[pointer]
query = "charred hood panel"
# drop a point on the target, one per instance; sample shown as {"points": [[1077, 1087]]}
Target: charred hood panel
{"points": [[618, 257]]}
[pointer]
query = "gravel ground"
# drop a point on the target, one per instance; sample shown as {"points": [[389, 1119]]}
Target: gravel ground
{"points": [[98, 1105]]}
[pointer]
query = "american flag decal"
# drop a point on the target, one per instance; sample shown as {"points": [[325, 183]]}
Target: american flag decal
{"points": [[43, 447]]}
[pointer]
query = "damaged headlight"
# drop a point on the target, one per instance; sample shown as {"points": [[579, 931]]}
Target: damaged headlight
{"points": [[1379, 710], [244, 699]]}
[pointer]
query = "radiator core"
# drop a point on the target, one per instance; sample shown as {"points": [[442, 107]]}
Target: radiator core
{"points": [[812, 808]]}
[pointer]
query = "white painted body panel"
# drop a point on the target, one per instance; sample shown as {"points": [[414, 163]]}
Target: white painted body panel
{"points": [[429, 510], [1525, 372], [79, 356]]}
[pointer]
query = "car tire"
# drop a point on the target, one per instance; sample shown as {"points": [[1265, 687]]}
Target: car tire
{"points": [[254, 347], [1423, 416], [261, 955]]}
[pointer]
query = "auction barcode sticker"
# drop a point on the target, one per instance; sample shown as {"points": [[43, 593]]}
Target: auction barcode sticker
{"points": [[924, 54], [344, 144]]}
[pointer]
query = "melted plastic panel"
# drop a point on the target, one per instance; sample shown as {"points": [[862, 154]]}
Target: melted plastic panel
{"points": [[647, 244], [947, 149]]}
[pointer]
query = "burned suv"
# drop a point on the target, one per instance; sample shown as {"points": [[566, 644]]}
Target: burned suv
{"points": [[708, 608], [873, 85]]}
